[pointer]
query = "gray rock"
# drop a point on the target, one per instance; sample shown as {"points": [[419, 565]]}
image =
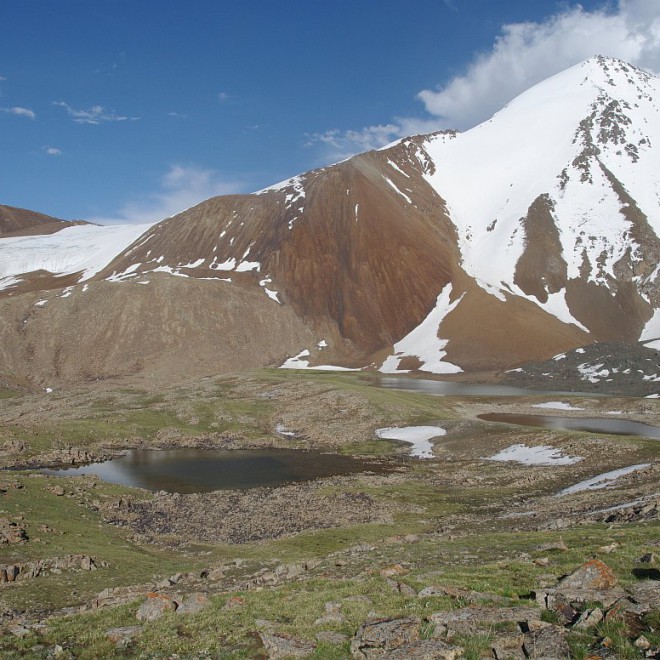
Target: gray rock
{"points": [[426, 649], [589, 619], [468, 620], [508, 645], [558, 546], [193, 603], [154, 607], [547, 643], [647, 593], [285, 646], [376, 636]]}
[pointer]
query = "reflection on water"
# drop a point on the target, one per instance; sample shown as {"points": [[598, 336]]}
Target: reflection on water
{"points": [[203, 470], [589, 424], [445, 388]]}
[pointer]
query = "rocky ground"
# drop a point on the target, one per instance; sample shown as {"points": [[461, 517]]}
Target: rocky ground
{"points": [[610, 368], [457, 556]]}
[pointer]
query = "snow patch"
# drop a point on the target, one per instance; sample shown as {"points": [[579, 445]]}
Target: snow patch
{"points": [[86, 248], [602, 480], [541, 455], [417, 436], [556, 405], [423, 342]]}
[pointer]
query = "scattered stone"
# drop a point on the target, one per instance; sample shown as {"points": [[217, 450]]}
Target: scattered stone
{"points": [[215, 574], [401, 587], [607, 549], [56, 490], [642, 643], [558, 546], [391, 571], [594, 575], [285, 646], [541, 561], [589, 619], [411, 538], [265, 625], [361, 547], [374, 637], [19, 630], [154, 607], [193, 603], [648, 558], [122, 637], [11, 532]]}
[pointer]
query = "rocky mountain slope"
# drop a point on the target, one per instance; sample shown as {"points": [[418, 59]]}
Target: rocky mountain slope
{"points": [[21, 222], [530, 235]]}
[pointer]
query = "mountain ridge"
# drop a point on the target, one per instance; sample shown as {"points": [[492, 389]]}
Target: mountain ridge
{"points": [[532, 234]]}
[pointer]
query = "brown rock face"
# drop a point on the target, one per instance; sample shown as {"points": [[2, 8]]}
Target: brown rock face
{"points": [[21, 222]]}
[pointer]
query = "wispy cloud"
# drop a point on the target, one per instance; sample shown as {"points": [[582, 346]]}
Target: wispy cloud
{"points": [[223, 97], [52, 151], [177, 115], [522, 55], [97, 114], [180, 188], [20, 112]]}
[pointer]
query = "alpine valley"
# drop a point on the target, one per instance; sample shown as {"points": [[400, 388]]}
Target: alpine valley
{"points": [[435, 364]]}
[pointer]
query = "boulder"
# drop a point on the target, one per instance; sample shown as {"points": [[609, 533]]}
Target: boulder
{"points": [[468, 620], [547, 643], [193, 603], [376, 636], [594, 575], [285, 646], [154, 607]]}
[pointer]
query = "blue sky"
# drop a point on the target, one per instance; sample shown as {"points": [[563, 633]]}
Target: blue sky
{"points": [[131, 110]]}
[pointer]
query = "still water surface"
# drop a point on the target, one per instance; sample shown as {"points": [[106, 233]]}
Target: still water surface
{"points": [[204, 470], [447, 388], [589, 424]]}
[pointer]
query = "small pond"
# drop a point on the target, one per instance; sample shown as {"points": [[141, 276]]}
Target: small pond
{"points": [[447, 388], [205, 470], [589, 424]]}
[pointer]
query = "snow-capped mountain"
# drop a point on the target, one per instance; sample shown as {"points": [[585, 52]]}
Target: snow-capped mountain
{"points": [[532, 234]]}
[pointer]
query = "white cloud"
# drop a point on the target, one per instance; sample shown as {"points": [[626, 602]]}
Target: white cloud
{"points": [[20, 112], [52, 151], [341, 144], [97, 114], [223, 97], [526, 53], [522, 55], [180, 188]]}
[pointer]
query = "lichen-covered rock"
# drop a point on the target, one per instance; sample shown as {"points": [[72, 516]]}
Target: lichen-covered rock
{"points": [[379, 635], [154, 607], [594, 574], [285, 646], [193, 603]]}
